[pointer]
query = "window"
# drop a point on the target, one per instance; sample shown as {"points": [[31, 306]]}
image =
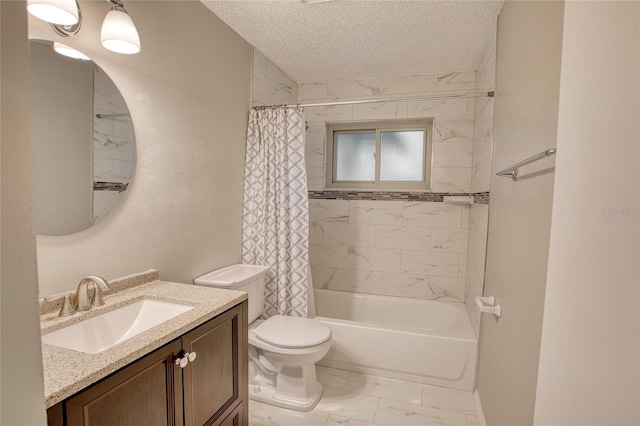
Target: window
{"points": [[379, 155]]}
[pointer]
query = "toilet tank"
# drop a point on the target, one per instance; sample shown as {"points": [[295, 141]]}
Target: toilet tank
{"points": [[249, 278]]}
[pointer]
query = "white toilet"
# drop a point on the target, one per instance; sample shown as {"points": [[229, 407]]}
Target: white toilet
{"points": [[282, 350]]}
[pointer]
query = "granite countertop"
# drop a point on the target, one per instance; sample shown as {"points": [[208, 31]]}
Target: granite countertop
{"points": [[67, 371]]}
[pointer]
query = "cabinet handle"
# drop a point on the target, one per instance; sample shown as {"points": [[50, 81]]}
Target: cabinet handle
{"points": [[186, 359], [182, 362]]}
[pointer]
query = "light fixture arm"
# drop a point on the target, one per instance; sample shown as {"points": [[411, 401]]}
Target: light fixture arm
{"points": [[68, 30], [117, 5]]}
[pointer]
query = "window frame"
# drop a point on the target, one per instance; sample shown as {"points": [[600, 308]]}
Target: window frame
{"points": [[378, 127]]}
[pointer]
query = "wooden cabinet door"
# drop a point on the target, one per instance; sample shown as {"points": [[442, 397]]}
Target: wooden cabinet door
{"points": [[147, 392], [215, 383], [234, 419]]}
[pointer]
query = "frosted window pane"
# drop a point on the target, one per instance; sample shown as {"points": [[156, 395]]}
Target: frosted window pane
{"points": [[401, 155], [355, 157]]}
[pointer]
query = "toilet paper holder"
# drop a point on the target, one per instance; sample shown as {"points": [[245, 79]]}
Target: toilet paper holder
{"points": [[488, 305]]}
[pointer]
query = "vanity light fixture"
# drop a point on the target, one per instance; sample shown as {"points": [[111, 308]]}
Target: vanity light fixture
{"points": [[118, 32], [61, 12], [65, 50]]}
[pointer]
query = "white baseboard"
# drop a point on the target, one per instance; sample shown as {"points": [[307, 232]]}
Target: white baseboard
{"points": [[476, 398]]}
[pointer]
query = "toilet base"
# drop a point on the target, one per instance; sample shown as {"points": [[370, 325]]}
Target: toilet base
{"points": [[269, 395]]}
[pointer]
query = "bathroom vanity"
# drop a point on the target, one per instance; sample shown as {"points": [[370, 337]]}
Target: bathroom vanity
{"points": [[189, 370]]}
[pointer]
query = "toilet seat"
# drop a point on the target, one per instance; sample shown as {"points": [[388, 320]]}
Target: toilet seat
{"points": [[292, 332]]}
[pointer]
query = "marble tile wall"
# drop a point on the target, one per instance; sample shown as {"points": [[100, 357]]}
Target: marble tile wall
{"points": [[114, 148], [271, 86], [480, 180], [483, 118], [453, 120], [399, 248]]}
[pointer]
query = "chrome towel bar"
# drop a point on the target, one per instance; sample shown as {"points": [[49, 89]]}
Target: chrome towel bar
{"points": [[512, 171]]}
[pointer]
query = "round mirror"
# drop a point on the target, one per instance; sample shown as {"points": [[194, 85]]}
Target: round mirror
{"points": [[83, 144]]}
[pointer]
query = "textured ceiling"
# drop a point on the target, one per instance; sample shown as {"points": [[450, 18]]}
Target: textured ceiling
{"points": [[349, 39]]}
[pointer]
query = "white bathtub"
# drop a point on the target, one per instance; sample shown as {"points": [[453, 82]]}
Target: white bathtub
{"points": [[419, 340]]}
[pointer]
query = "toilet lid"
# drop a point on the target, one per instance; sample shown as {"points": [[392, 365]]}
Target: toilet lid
{"points": [[292, 332]]}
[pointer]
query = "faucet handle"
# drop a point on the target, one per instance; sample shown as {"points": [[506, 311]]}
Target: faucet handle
{"points": [[96, 299], [67, 306]]}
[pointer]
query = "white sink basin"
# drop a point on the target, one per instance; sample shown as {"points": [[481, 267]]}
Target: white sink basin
{"points": [[102, 332]]}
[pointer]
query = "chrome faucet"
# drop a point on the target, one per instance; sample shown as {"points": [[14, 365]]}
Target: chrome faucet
{"points": [[82, 301]]}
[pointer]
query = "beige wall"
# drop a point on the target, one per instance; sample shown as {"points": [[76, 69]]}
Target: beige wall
{"points": [[188, 92], [527, 86], [21, 386], [589, 354]]}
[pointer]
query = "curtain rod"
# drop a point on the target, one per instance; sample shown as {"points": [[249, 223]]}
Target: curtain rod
{"points": [[404, 98]]}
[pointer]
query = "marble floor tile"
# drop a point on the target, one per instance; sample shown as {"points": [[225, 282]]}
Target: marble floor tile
{"points": [[332, 377], [449, 399], [368, 400], [348, 404], [394, 413], [382, 387], [346, 421], [264, 414]]}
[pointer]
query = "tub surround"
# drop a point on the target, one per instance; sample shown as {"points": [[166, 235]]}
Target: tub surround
{"points": [[398, 248], [67, 372], [398, 243]]}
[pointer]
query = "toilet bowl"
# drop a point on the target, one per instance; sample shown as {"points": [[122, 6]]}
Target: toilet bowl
{"points": [[282, 350]]}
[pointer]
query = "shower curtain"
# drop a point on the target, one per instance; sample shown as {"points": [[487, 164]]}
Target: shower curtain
{"points": [[275, 220]]}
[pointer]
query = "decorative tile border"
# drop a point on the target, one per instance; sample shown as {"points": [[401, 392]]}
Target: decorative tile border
{"points": [[110, 186], [433, 197]]}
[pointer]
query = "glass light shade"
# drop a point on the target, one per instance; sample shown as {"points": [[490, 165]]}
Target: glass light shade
{"points": [[65, 50], [61, 12], [119, 34]]}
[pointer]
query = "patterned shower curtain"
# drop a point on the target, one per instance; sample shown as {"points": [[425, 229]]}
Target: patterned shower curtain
{"points": [[275, 219]]}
